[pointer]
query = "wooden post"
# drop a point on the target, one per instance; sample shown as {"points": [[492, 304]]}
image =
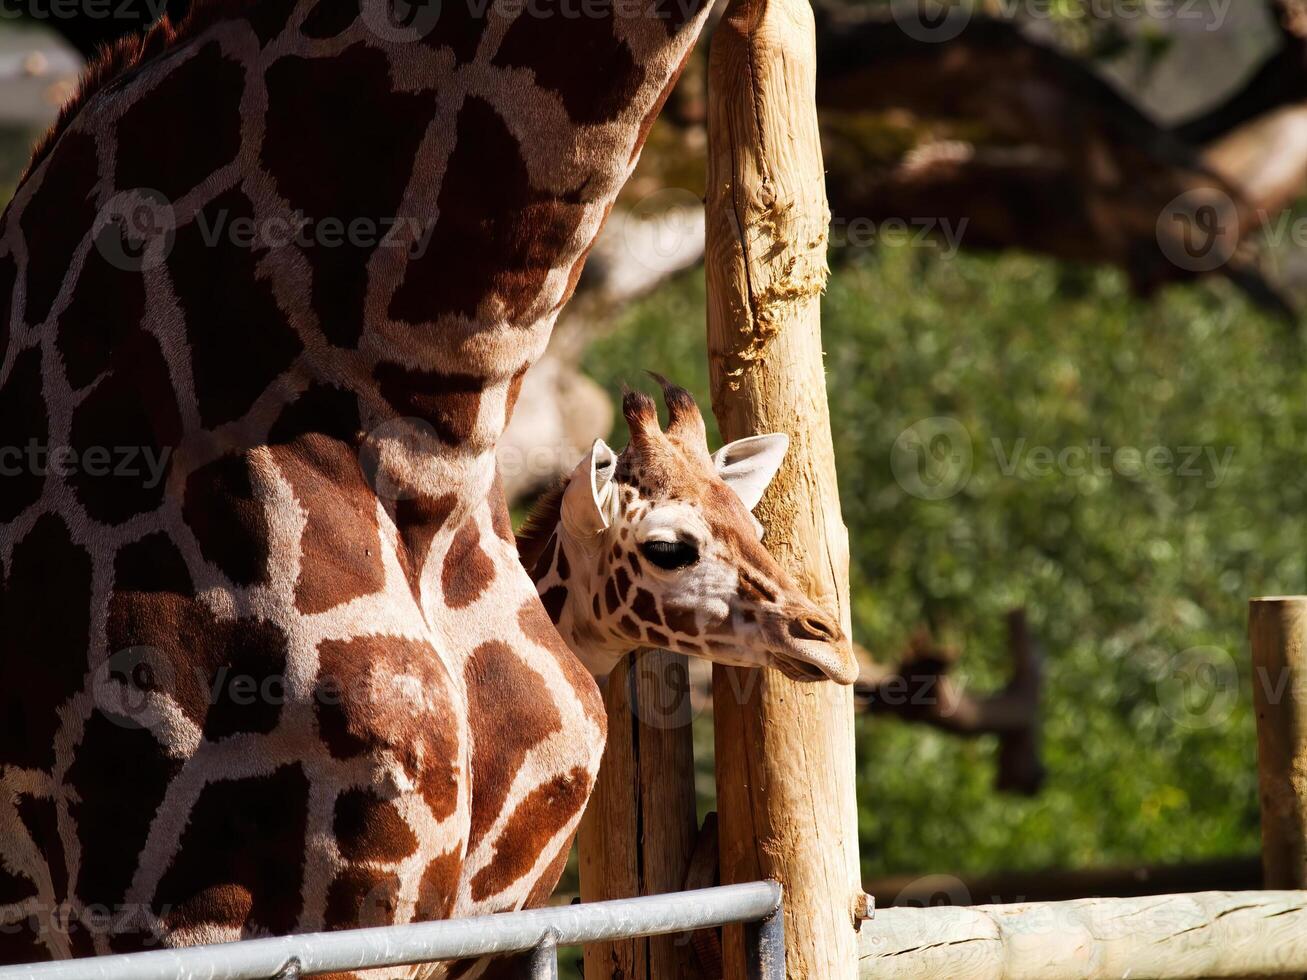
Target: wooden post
{"points": [[1202, 936], [1277, 632], [785, 773], [639, 829]]}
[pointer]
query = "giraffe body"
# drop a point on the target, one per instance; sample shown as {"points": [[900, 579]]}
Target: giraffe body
{"points": [[291, 676]]}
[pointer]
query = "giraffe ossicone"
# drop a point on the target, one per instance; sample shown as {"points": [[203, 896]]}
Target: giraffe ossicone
{"points": [[657, 546]]}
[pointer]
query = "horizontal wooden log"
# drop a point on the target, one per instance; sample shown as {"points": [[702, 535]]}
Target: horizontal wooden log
{"points": [[1208, 935]]}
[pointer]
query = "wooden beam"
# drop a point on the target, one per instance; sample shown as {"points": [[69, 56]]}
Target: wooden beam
{"points": [[1207, 935], [1277, 633], [640, 826], [785, 773]]}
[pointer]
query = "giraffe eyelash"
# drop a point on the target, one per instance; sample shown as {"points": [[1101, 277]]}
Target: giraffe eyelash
{"points": [[670, 555]]}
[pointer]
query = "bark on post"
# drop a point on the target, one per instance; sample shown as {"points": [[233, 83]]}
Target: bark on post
{"points": [[1277, 632], [639, 829], [785, 774]]}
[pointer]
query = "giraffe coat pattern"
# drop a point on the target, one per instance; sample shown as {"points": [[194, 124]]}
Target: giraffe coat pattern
{"points": [[285, 672]]}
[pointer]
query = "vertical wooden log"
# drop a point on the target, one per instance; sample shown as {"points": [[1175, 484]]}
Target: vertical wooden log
{"points": [[639, 828], [785, 773], [1277, 633]]}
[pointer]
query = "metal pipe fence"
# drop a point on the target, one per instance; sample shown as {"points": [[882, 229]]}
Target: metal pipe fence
{"points": [[537, 931]]}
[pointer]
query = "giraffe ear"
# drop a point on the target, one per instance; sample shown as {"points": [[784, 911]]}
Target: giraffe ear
{"points": [[588, 499], [748, 465]]}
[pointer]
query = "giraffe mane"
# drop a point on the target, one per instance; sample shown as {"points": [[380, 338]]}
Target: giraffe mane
{"points": [[540, 524], [125, 55]]}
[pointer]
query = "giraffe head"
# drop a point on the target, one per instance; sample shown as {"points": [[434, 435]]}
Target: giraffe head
{"points": [[656, 546]]}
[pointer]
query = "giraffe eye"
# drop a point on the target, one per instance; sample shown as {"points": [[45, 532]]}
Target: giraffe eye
{"points": [[670, 555]]}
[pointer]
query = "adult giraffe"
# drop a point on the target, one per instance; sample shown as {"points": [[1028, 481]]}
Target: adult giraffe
{"points": [[268, 661]]}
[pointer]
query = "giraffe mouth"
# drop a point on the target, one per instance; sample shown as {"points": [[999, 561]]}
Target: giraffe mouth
{"points": [[798, 670]]}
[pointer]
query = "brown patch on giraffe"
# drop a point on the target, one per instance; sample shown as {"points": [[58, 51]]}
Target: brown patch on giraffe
{"points": [[628, 626], [449, 403], [369, 828], [598, 79], [321, 408], [753, 589], [634, 561], [329, 18], [21, 942], [554, 600], [468, 570], [645, 606], [112, 805], [391, 695], [152, 564], [623, 581], [546, 560], [240, 861], [535, 625], [655, 638], [325, 118], [509, 714], [459, 28], [56, 218], [418, 520], [564, 569], [544, 812], [107, 306], [45, 638], [24, 421], [227, 676], [41, 819], [439, 887], [227, 519], [611, 599], [132, 409], [500, 519], [498, 249], [267, 18], [360, 897], [198, 102], [8, 276], [14, 888], [595, 604], [548, 880], [340, 547], [514, 392], [240, 341], [681, 620]]}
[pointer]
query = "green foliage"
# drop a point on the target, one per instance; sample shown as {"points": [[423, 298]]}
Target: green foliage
{"points": [[1135, 577]]}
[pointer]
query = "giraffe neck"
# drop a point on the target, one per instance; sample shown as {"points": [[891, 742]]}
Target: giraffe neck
{"points": [[566, 584], [303, 258]]}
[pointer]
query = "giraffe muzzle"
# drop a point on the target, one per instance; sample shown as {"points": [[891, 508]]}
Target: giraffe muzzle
{"points": [[814, 648]]}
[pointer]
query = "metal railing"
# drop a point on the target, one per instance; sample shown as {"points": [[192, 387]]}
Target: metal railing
{"points": [[539, 932]]}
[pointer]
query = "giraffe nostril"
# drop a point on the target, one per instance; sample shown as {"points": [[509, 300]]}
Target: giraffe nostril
{"points": [[813, 628]]}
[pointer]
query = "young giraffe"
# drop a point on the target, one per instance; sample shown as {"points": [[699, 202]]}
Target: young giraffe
{"points": [[257, 686], [656, 547]]}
